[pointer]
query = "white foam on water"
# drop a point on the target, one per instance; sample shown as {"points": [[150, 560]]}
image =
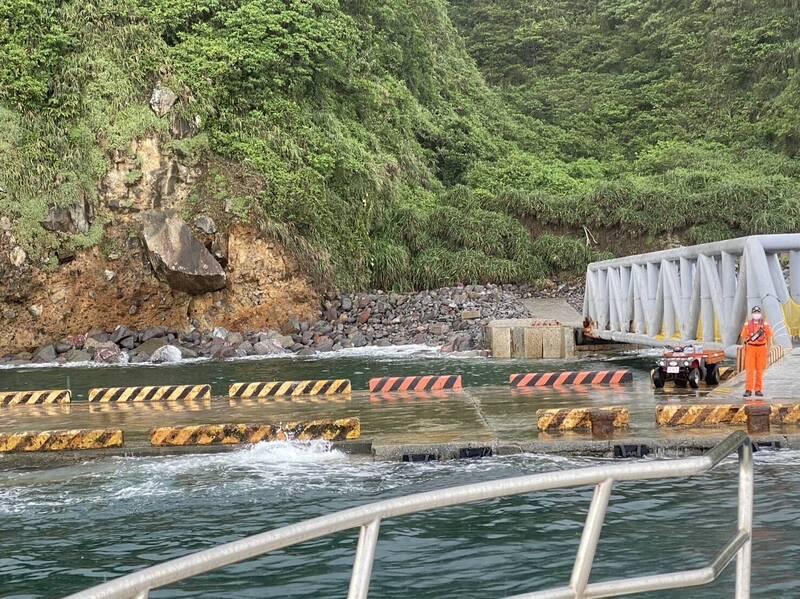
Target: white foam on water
{"points": [[283, 466], [389, 352], [286, 356], [269, 458], [784, 457], [39, 365]]}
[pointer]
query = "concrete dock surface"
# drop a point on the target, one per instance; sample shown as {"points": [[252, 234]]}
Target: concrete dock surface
{"points": [[441, 424], [781, 382], [556, 308]]}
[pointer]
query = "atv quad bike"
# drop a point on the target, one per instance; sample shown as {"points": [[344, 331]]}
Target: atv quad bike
{"points": [[687, 365]]}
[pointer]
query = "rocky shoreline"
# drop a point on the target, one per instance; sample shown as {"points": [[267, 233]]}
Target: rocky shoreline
{"points": [[451, 318]]}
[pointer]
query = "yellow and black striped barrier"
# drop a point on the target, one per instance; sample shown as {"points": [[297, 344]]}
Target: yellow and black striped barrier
{"points": [[776, 354], [722, 414], [726, 373], [278, 388], [233, 434], [67, 440], [785, 413], [32, 398], [165, 393], [701, 415], [570, 419]]}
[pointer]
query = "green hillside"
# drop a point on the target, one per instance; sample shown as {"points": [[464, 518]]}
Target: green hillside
{"points": [[409, 144], [686, 111]]}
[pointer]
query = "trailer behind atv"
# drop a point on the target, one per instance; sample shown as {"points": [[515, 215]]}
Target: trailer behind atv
{"points": [[687, 365]]}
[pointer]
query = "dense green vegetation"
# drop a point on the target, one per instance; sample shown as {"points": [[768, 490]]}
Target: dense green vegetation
{"points": [[684, 113], [408, 144]]}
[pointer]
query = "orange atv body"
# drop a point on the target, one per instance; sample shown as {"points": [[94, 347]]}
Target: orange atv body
{"points": [[688, 366]]}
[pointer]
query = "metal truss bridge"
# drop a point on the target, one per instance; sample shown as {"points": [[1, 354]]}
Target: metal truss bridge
{"points": [[700, 294]]}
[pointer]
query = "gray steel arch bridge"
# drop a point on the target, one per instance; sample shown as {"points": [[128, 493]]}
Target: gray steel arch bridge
{"points": [[699, 294]]}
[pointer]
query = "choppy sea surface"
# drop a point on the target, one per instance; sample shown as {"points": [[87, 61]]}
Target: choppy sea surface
{"points": [[67, 528]]}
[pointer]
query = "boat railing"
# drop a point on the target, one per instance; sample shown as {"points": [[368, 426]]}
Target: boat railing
{"points": [[368, 519]]}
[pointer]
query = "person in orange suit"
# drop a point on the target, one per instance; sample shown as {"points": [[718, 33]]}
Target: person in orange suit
{"points": [[756, 336]]}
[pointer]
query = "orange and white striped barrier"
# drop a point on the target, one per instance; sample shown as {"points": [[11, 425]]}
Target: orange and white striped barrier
{"points": [[557, 379], [415, 383]]}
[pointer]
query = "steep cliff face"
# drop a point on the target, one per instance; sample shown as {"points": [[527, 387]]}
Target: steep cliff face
{"points": [[153, 267], [395, 144]]}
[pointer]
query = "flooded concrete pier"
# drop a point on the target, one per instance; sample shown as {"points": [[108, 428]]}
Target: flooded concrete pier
{"points": [[436, 425]]}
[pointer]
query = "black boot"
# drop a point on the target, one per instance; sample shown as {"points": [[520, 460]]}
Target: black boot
{"points": [[748, 393], [759, 394]]}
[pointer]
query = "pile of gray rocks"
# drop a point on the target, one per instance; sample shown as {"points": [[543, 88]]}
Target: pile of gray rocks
{"points": [[155, 345], [452, 318]]}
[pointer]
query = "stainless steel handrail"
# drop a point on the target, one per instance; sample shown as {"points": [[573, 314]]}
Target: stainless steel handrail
{"points": [[368, 518]]}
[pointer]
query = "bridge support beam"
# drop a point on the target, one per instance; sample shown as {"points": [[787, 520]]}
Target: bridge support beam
{"points": [[701, 294]]}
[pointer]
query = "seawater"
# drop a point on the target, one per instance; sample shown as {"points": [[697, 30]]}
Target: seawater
{"points": [[359, 365], [66, 528]]}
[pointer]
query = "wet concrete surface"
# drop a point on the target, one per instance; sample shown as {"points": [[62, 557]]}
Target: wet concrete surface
{"points": [[444, 422], [781, 382], [483, 414]]}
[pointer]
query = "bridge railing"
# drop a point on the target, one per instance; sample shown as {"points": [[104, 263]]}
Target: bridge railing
{"points": [[700, 294], [368, 519]]}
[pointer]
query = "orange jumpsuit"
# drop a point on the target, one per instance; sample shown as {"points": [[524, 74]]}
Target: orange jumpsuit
{"points": [[756, 353]]}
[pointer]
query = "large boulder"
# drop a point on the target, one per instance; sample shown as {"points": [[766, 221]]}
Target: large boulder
{"points": [[166, 354], [177, 257], [267, 348], [162, 99], [152, 333], [121, 333], [93, 343], [186, 353], [110, 354], [77, 355], [284, 341], [46, 354], [149, 347]]}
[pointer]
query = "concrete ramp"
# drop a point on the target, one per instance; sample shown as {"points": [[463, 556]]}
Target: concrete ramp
{"points": [[781, 381], [556, 308]]}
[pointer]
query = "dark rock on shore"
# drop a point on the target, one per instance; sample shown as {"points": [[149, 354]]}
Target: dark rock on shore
{"points": [[45, 354], [149, 347], [77, 355], [166, 354], [452, 318]]}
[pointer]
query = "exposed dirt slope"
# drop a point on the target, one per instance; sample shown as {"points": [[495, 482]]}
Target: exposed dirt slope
{"points": [[265, 289]]}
